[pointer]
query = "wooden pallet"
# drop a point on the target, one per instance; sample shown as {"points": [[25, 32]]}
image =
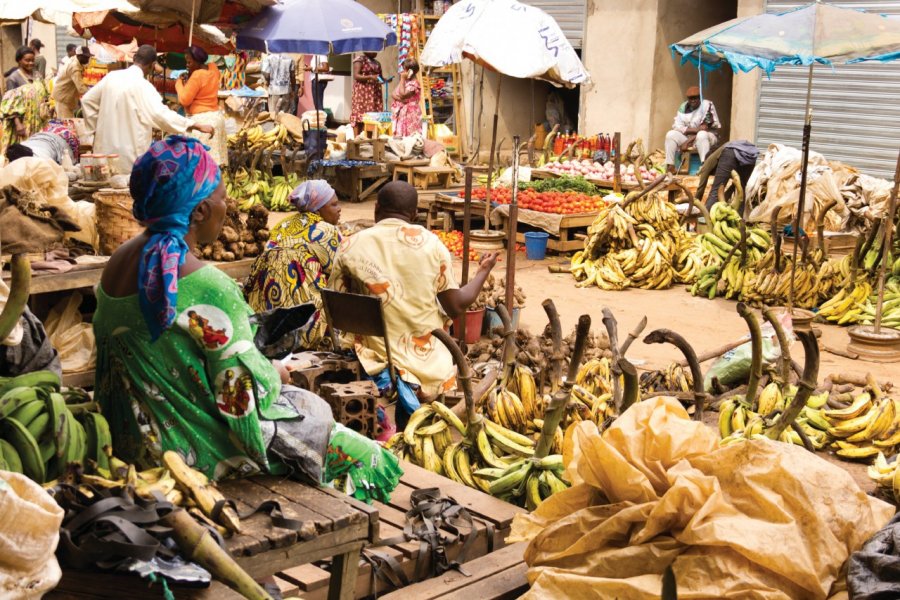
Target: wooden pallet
{"points": [[312, 580]]}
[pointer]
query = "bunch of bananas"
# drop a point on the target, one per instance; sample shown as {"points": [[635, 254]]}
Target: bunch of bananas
{"points": [[847, 305], [40, 433], [725, 233], [691, 258], [595, 377], [259, 187], [256, 138], [673, 378], [867, 426], [533, 480], [886, 475], [890, 312], [833, 275], [767, 286], [634, 246], [739, 421]]}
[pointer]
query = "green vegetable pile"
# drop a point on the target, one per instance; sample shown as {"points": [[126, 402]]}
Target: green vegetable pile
{"points": [[562, 184]]}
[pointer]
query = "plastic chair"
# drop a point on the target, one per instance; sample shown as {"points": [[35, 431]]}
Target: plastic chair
{"points": [[360, 315]]}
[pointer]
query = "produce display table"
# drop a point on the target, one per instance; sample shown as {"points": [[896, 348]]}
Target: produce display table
{"points": [[350, 181], [450, 204], [334, 526], [313, 582]]}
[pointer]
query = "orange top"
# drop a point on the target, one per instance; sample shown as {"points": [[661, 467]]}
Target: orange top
{"points": [[201, 92]]}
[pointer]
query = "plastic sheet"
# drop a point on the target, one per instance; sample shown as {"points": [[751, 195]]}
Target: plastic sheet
{"points": [[758, 519], [72, 338]]}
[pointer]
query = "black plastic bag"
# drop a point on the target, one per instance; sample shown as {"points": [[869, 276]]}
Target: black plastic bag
{"points": [[279, 329], [315, 141], [874, 572]]}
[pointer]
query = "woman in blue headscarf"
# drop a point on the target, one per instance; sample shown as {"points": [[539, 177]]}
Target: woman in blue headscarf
{"points": [[177, 368], [297, 261]]}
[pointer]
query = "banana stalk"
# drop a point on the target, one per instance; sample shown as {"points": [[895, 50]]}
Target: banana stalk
{"points": [[820, 225], [612, 331], [19, 289], [756, 351], [561, 398], [556, 337], [633, 335], [198, 545], [509, 345], [667, 336], [785, 364], [738, 198], [474, 420], [805, 386], [632, 388]]}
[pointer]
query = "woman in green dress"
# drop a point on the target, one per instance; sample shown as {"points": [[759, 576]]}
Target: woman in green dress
{"points": [[177, 368], [297, 261]]}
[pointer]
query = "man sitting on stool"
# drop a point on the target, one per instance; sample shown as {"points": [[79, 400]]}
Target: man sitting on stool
{"points": [[696, 124]]}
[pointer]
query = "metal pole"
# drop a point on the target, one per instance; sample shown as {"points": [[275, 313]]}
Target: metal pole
{"points": [[804, 168], [886, 248], [617, 160], [511, 233], [487, 195], [467, 218]]}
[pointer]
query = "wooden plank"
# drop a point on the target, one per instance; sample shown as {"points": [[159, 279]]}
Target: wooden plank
{"points": [[76, 585], [306, 577], [315, 500], [81, 379], [505, 585], [370, 510], [478, 503], [286, 587], [323, 546], [344, 567], [451, 581]]}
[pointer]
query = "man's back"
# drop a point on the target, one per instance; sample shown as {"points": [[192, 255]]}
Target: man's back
{"points": [[406, 266]]}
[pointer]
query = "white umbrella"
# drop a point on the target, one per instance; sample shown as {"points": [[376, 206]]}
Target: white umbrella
{"points": [[508, 37], [513, 39]]}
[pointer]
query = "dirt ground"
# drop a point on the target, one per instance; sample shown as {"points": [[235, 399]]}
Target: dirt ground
{"points": [[706, 324]]}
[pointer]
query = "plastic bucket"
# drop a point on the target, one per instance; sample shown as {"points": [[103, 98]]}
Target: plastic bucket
{"points": [[536, 245], [474, 322], [492, 319]]}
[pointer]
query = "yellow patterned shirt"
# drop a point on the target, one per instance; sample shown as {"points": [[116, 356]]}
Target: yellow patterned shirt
{"points": [[406, 266]]}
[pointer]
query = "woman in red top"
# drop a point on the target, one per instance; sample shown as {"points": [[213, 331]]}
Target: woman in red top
{"points": [[198, 93]]}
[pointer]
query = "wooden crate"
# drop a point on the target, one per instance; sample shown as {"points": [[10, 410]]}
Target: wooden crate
{"points": [[569, 229], [312, 580], [836, 243]]}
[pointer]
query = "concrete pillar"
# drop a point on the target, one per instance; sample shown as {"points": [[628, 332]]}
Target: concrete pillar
{"points": [[745, 86]]}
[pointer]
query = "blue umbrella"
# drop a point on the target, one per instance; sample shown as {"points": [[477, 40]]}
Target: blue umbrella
{"points": [[316, 27], [815, 33]]}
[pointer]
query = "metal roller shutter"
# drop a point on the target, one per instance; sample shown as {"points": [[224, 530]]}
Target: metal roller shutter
{"points": [[568, 13], [856, 111]]}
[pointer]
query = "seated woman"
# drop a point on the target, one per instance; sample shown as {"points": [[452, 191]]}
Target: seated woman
{"points": [[176, 365], [297, 261]]}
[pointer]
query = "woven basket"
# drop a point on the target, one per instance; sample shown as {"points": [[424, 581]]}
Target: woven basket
{"points": [[115, 223]]}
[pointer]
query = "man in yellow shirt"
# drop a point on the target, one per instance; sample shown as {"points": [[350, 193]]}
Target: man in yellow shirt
{"points": [[69, 86], [411, 270]]}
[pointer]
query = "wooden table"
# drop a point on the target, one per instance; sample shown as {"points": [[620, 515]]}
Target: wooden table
{"points": [[450, 205], [350, 181], [334, 526]]}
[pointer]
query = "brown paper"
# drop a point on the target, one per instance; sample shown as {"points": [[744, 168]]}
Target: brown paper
{"points": [[759, 519]]}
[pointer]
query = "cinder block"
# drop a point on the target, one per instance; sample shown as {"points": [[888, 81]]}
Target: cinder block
{"points": [[354, 405]]}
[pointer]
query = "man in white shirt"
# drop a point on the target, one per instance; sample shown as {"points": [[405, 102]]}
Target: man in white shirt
{"points": [[696, 124], [71, 50], [279, 72], [124, 108]]}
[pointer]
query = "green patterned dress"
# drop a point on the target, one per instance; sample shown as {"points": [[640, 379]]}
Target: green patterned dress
{"points": [[202, 389]]}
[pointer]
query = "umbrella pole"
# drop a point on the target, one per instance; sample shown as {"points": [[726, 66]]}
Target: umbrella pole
{"points": [[467, 218], [886, 248], [511, 234], [487, 195], [804, 167]]}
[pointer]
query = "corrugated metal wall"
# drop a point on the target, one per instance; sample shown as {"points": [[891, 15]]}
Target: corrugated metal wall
{"points": [[568, 13], [856, 108], [62, 40]]}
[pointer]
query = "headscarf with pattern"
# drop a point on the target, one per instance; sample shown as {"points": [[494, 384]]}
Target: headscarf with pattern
{"points": [[167, 183], [311, 195]]}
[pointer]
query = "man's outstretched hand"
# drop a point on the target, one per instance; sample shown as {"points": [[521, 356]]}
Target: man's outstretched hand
{"points": [[488, 261], [203, 128]]}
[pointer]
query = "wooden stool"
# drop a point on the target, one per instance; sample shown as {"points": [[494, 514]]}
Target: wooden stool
{"points": [[354, 149], [423, 176], [405, 168]]}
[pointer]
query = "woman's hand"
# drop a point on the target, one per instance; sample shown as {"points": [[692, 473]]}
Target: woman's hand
{"points": [[282, 371]]}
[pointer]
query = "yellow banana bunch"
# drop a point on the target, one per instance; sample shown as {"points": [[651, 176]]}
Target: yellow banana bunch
{"points": [[595, 376], [886, 475], [738, 422], [865, 427], [890, 314], [505, 408], [846, 307]]}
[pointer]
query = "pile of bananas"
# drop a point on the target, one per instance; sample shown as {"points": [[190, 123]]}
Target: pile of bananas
{"points": [[261, 188], [739, 421], [886, 475], [867, 426], [765, 284], [256, 138], [533, 480], [848, 304], [691, 258], [673, 378], [833, 275], [634, 246], [42, 430], [725, 233], [890, 312]]}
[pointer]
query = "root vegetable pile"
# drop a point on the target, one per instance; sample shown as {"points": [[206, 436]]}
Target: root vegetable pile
{"points": [[238, 240]]}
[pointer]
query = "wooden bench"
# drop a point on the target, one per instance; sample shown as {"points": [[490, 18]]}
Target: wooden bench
{"points": [[312, 581], [423, 177], [405, 168], [501, 574], [354, 149]]}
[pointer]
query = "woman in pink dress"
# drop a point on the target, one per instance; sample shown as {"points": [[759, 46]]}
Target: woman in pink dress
{"points": [[406, 109], [366, 89]]}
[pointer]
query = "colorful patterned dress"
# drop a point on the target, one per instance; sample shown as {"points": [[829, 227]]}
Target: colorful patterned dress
{"points": [[407, 114], [367, 97], [294, 267], [202, 389], [29, 103]]}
